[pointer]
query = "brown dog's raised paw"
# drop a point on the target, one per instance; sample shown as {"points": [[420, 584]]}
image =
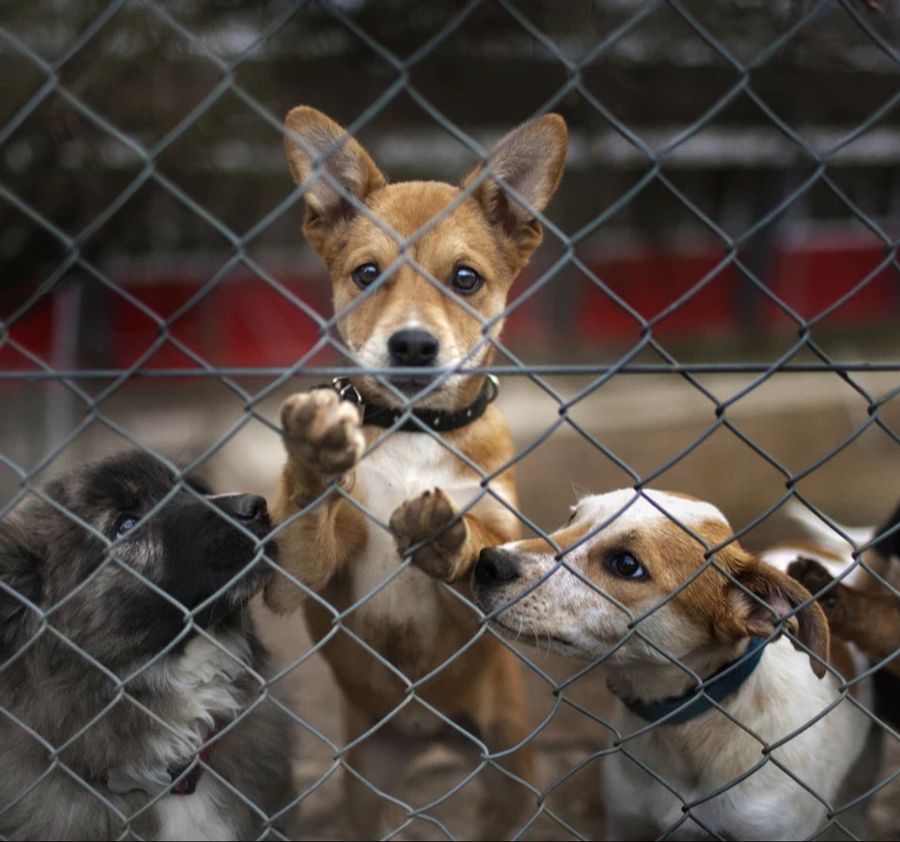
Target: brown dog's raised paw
{"points": [[810, 573], [322, 431], [815, 578], [431, 517]]}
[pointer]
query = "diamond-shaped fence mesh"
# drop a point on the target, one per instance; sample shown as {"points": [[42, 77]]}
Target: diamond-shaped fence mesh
{"points": [[713, 310]]}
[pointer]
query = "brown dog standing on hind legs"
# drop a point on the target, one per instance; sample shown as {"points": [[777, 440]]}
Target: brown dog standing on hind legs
{"points": [[415, 486]]}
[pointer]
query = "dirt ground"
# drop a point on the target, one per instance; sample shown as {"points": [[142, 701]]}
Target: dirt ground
{"points": [[645, 422], [567, 741]]}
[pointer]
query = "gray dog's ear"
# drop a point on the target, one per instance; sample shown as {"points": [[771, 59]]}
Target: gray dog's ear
{"points": [[20, 580]]}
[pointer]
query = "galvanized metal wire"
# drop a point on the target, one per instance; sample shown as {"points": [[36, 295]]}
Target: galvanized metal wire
{"points": [[805, 353]]}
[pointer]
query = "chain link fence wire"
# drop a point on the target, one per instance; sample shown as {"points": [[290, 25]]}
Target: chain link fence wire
{"points": [[714, 308]]}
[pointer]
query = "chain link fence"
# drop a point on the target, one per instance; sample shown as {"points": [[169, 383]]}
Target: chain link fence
{"points": [[713, 310]]}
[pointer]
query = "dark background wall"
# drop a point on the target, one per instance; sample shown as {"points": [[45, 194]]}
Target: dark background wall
{"points": [[741, 137]]}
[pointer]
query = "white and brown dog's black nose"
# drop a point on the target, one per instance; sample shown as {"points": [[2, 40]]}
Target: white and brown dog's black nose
{"points": [[496, 567], [413, 347]]}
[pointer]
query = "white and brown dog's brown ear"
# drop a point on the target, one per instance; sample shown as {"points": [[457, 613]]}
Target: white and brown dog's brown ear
{"points": [[762, 596], [313, 140], [530, 159]]}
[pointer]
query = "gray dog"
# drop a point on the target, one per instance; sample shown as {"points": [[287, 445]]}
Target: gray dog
{"points": [[118, 716]]}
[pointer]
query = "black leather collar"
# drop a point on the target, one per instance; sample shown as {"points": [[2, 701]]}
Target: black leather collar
{"points": [[439, 420]]}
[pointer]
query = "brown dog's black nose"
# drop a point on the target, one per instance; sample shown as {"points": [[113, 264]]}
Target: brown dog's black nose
{"points": [[413, 348], [496, 566]]}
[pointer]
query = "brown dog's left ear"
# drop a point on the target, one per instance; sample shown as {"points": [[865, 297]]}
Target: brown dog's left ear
{"points": [[781, 595], [530, 159]]}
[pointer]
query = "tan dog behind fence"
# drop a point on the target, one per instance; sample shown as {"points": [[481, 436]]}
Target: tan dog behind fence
{"points": [[412, 483]]}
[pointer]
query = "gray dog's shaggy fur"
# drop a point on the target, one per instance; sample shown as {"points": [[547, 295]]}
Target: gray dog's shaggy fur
{"points": [[112, 694]]}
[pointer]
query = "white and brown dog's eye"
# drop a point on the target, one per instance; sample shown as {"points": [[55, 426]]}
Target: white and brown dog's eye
{"points": [[627, 566], [466, 280], [365, 275]]}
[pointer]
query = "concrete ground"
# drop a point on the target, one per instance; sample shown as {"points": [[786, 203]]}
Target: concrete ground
{"points": [[645, 421]]}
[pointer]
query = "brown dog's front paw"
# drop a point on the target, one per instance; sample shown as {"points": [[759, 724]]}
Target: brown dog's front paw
{"points": [[815, 578], [322, 431], [809, 573], [431, 517]]}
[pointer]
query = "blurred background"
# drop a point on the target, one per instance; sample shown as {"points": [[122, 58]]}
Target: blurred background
{"points": [[731, 204]]}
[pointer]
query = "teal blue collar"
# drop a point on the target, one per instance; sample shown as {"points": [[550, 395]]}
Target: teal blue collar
{"points": [[699, 699]]}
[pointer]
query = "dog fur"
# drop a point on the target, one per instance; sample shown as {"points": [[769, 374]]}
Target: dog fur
{"points": [[683, 608], [423, 496], [868, 619], [865, 613], [98, 663]]}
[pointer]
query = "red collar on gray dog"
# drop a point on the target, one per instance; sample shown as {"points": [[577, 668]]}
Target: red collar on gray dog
{"points": [[156, 780], [187, 784], [417, 420]]}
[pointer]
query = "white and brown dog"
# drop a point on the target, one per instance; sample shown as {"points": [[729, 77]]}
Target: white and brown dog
{"points": [[766, 747], [420, 272]]}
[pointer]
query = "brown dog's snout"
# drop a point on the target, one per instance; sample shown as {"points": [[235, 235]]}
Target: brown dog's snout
{"points": [[413, 348], [496, 567]]}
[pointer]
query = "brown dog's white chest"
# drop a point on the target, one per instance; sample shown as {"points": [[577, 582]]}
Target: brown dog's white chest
{"points": [[402, 467]]}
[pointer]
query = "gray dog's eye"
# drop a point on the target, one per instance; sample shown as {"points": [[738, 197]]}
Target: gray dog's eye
{"points": [[125, 525]]}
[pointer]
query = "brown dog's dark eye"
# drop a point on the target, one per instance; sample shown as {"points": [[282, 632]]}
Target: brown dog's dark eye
{"points": [[627, 566], [466, 280], [365, 275]]}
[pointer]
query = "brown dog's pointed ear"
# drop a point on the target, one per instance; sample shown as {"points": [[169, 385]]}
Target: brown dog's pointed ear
{"points": [[774, 596], [313, 141], [530, 159]]}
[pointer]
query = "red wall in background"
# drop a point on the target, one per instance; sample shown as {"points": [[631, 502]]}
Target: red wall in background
{"points": [[244, 321]]}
